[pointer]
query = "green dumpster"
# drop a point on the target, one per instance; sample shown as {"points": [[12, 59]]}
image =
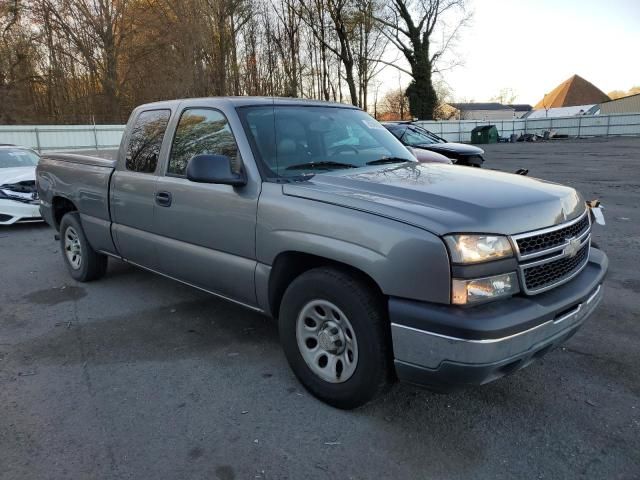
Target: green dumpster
{"points": [[484, 134]]}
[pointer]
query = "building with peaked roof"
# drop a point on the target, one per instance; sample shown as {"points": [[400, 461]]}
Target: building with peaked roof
{"points": [[482, 111], [572, 92]]}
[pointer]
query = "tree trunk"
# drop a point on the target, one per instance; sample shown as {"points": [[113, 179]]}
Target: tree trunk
{"points": [[422, 96], [109, 86]]}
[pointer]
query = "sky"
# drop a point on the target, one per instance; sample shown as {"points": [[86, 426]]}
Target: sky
{"points": [[530, 46]]}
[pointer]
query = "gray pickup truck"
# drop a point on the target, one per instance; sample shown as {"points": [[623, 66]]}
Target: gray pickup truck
{"points": [[377, 267]]}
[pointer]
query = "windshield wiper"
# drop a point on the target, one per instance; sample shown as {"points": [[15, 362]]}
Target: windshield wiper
{"points": [[323, 165], [385, 160]]}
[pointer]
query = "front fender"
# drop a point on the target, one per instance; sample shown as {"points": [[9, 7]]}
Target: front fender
{"points": [[405, 261]]}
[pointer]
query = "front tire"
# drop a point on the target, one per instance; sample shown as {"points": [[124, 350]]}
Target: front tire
{"points": [[335, 335], [83, 262]]}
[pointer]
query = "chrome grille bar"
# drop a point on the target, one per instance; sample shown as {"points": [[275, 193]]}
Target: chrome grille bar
{"points": [[554, 265], [519, 239]]}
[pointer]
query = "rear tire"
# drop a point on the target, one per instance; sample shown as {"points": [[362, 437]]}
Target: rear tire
{"points": [[335, 335], [82, 261]]}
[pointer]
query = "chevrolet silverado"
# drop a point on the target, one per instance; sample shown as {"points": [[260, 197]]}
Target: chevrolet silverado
{"points": [[376, 267]]}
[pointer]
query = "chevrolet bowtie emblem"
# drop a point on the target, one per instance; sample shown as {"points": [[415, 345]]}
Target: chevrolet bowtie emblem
{"points": [[572, 249]]}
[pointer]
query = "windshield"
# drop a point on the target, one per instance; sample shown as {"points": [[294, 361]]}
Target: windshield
{"points": [[17, 157], [414, 136], [297, 140]]}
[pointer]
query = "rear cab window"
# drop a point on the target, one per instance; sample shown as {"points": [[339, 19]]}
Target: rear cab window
{"points": [[145, 141], [202, 131]]}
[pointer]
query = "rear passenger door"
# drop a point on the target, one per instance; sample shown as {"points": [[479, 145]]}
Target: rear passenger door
{"points": [[206, 233], [133, 188]]}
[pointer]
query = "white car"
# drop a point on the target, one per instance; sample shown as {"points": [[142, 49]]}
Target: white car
{"points": [[19, 201]]}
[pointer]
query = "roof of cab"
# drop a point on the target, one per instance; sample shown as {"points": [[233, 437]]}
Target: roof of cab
{"points": [[251, 102]]}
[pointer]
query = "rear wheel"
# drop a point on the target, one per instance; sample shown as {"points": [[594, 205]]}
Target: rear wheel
{"points": [[82, 261], [334, 333]]}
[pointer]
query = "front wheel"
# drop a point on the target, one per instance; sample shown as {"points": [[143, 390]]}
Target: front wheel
{"points": [[335, 335], [82, 261]]}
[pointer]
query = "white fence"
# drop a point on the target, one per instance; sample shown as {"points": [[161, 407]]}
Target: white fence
{"points": [[63, 137], [85, 137], [582, 126]]}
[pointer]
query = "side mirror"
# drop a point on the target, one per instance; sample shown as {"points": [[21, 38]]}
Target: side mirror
{"points": [[214, 169]]}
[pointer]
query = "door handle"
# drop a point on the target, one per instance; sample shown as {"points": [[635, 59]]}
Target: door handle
{"points": [[163, 199]]}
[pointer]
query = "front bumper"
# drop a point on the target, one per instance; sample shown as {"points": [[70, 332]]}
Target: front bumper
{"points": [[446, 347], [17, 212], [470, 160]]}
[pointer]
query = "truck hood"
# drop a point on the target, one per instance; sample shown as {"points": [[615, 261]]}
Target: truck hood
{"points": [[459, 148], [445, 198], [17, 174]]}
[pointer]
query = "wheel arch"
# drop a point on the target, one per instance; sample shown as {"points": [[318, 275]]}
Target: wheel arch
{"points": [[61, 206], [289, 265]]}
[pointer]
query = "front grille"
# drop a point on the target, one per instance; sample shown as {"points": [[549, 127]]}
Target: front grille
{"points": [[545, 241], [550, 273], [548, 258]]}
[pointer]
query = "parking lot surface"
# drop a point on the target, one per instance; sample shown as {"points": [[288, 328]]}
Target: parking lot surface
{"points": [[136, 376]]}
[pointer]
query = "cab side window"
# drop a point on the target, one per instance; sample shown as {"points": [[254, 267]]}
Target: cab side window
{"points": [[145, 141], [202, 131]]}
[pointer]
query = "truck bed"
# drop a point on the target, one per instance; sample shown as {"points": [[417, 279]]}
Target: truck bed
{"points": [[82, 159], [83, 180]]}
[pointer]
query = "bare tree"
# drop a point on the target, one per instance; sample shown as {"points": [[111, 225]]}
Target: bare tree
{"points": [[338, 13], [80, 61], [506, 96], [314, 13], [17, 65], [395, 106], [614, 94], [411, 27], [372, 44], [96, 30], [286, 37]]}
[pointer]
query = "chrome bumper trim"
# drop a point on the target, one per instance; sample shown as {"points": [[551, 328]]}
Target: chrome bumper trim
{"points": [[430, 349]]}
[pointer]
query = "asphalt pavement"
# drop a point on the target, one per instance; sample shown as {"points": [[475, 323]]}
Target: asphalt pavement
{"points": [[138, 377]]}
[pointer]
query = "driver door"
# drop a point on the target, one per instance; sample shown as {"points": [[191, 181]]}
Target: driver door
{"points": [[206, 232]]}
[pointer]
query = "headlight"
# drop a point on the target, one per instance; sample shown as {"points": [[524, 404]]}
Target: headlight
{"points": [[477, 248], [476, 290]]}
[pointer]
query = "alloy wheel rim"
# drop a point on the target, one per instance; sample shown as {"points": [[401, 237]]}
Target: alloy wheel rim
{"points": [[327, 342], [72, 248]]}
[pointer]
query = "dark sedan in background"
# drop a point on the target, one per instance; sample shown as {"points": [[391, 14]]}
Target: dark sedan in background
{"points": [[420, 138]]}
